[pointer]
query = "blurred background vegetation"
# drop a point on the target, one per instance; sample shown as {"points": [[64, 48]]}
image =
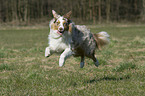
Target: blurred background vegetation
{"points": [[83, 11]]}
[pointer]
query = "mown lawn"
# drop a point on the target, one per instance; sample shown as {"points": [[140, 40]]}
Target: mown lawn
{"points": [[24, 71]]}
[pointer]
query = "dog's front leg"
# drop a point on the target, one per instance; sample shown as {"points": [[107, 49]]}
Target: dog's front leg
{"points": [[47, 52], [67, 53], [82, 62]]}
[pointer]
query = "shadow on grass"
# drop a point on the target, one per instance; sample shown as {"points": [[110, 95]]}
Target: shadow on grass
{"points": [[107, 78]]}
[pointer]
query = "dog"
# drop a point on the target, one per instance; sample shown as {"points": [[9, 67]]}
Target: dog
{"points": [[71, 39]]}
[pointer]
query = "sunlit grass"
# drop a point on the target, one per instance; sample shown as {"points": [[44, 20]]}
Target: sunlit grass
{"points": [[25, 71]]}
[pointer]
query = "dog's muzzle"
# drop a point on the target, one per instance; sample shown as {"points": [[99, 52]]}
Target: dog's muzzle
{"points": [[60, 31]]}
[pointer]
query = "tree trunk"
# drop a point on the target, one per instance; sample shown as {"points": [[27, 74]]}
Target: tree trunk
{"points": [[94, 12], [117, 10], [7, 11], [14, 11], [108, 11], [90, 9], [0, 12], [99, 10], [143, 10], [19, 10], [41, 9], [26, 11]]}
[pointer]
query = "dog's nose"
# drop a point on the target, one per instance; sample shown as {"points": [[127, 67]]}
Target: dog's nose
{"points": [[61, 28]]}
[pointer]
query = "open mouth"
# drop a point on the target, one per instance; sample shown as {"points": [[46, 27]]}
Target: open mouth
{"points": [[60, 32]]}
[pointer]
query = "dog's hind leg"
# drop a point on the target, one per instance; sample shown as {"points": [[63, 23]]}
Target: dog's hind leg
{"points": [[47, 52], [95, 61], [82, 62], [67, 53]]}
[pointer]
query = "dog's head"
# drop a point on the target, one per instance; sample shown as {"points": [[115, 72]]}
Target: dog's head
{"points": [[61, 23]]}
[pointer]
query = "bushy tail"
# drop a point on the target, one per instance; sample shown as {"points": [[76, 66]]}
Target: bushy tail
{"points": [[102, 38]]}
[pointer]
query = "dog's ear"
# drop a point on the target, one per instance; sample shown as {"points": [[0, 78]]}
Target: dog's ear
{"points": [[70, 27], [67, 15], [55, 15]]}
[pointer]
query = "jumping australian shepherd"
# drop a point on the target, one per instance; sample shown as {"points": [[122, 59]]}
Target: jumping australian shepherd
{"points": [[71, 39]]}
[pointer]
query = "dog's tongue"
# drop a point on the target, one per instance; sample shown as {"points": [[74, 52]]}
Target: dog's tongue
{"points": [[60, 33]]}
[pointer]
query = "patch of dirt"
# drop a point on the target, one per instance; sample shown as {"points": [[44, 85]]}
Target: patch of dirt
{"points": [[135, 50], [46, 67], [26, 59], [140, 50], [116, 61]]}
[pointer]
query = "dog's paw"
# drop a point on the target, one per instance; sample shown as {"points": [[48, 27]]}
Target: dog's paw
{"points": [[47, 52], [96, 63], [61, 64], [61, 61], [47, 56], [81, 64]]}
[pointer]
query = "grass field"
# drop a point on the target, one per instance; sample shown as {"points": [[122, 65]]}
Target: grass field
{"points": [[24, 71]]}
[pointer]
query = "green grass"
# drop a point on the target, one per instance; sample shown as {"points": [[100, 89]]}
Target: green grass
{"points": [[24, 71], [123, 66]]}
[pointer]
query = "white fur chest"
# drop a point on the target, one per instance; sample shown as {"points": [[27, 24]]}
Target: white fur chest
{"points": [[58, 43]]}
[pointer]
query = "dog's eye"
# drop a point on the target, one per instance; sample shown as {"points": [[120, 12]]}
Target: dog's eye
{"points": [[58, 23], [64, 23]]}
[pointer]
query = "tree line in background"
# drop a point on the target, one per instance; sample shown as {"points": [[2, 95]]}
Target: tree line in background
{"points": [[82, 10]]}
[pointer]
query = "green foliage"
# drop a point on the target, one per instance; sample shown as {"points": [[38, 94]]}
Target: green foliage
{"points": [[102, 61], [5, 67], [125, 66], [2, 53]]}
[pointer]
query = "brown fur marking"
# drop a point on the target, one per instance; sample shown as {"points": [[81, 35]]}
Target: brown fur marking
{"points": [[70, 28], [54, 26]]}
